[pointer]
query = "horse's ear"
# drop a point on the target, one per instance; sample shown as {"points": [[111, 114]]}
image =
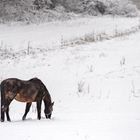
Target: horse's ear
{"points": [[52, 103]]}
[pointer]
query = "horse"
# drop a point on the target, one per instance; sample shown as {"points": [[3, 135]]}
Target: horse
{"points": [[29, 91]]}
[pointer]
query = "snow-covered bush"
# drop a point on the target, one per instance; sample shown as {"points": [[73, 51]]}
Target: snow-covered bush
{"points": [[15, 10], [94, 7], [113, 7], [59, 8], [97, 7], [119, 7], [26, 11], [39, 4], [49, 10]]}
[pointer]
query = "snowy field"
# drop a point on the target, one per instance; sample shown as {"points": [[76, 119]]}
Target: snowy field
{"points": [[54, 35], [95, 86]]}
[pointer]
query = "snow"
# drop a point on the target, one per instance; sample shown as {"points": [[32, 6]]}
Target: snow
{"points": [[106, 73], [51, 35]]}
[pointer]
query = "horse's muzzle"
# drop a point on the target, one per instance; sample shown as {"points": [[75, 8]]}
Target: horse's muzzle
{"points": [[48, 116]]}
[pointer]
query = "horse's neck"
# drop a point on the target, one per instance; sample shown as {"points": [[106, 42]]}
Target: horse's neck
{"points": [[47, 99]]}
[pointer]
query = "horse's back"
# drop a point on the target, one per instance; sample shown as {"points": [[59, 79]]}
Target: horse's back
{"points": [[24, 91], [11, 84]]}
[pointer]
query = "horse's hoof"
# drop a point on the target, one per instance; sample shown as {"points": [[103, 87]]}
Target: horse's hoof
{"points": [[23, 119]]}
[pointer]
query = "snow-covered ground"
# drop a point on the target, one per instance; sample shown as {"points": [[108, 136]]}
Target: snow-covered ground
{"points": [[95, 86], [52, 35]]}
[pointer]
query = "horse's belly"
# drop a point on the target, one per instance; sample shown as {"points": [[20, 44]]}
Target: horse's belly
{"points": [[21, 98]]}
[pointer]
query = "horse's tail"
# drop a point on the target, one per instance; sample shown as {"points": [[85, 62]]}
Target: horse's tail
{"points": [[2, 102], [2, 96]]}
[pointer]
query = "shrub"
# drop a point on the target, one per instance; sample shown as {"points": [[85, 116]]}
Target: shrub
{"points": [[119, 7], [39, 4], [40, 10], [97, 7], [94, 7]]}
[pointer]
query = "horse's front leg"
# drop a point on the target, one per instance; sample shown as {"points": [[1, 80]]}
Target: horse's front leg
{"points": [[28, 105], [7, 114], [39, 109]]}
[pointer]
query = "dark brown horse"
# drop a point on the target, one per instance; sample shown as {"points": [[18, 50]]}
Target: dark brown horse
{"points": [[29, 91]]}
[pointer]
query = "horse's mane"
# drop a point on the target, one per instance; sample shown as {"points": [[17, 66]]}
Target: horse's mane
{"points": [[36, 80]]}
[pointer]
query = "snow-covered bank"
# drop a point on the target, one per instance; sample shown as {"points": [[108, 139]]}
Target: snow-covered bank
{"points": [[54, 35]]}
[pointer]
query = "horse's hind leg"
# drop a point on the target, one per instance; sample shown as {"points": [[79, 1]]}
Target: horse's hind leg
{"points": [[2, 113], [7, 101], [5, 109], [28, 105], [7, 114]]}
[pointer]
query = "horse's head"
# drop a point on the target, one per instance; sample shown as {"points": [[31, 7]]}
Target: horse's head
{"points": [[48, 110]]}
